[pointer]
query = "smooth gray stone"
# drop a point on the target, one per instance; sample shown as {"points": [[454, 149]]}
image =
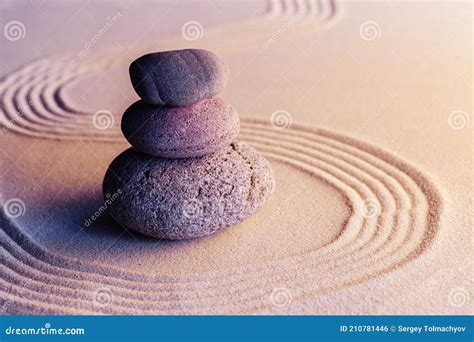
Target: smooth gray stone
{"points": [[179, 77], [180, 132], [187, 198]]}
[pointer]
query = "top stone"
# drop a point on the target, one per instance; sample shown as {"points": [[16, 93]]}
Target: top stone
{"points": [[179, 77]]}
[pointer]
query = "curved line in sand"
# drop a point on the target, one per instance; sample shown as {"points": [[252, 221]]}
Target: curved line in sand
{"points": [[252, 281], [44, 81], [410, 210], [325, 9]]}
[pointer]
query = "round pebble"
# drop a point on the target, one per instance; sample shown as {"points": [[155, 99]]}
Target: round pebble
{"points": [[187, 198], [180, 132], [179, 77]]}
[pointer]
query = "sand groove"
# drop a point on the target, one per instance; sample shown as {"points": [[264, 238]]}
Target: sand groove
{"points": [[407, 209], [400, 230], [325, 9]]}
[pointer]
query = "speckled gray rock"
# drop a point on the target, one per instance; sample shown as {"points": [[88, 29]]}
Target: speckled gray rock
{"points": [[180, 132], [187, 198], [179, 77]]}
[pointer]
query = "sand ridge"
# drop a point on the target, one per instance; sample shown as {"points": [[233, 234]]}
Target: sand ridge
{"points": [[394, 218], [33, 100]]}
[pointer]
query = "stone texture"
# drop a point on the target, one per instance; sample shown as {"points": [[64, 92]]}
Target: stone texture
{"points": [[179, 77], [180, 132], [188, 198]]}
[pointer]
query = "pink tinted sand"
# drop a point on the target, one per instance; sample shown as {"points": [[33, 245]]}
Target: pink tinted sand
{"points": [[314, 249]]}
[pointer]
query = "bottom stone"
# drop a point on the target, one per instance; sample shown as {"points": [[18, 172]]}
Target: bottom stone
{"points": [[187, 198]]}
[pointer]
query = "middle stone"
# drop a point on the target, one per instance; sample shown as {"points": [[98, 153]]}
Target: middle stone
{"points": [[180, 132]]}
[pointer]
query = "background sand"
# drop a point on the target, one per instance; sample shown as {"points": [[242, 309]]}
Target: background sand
{"points": [[352, 227]]}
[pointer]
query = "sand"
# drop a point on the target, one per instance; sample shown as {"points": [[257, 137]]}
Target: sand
{"points": [[369, 137]]}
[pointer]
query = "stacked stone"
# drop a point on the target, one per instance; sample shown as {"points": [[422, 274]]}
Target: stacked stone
{"points": [[185, 175]]}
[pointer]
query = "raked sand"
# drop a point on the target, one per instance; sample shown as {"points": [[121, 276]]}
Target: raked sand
{"points": [[363, 110]]}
